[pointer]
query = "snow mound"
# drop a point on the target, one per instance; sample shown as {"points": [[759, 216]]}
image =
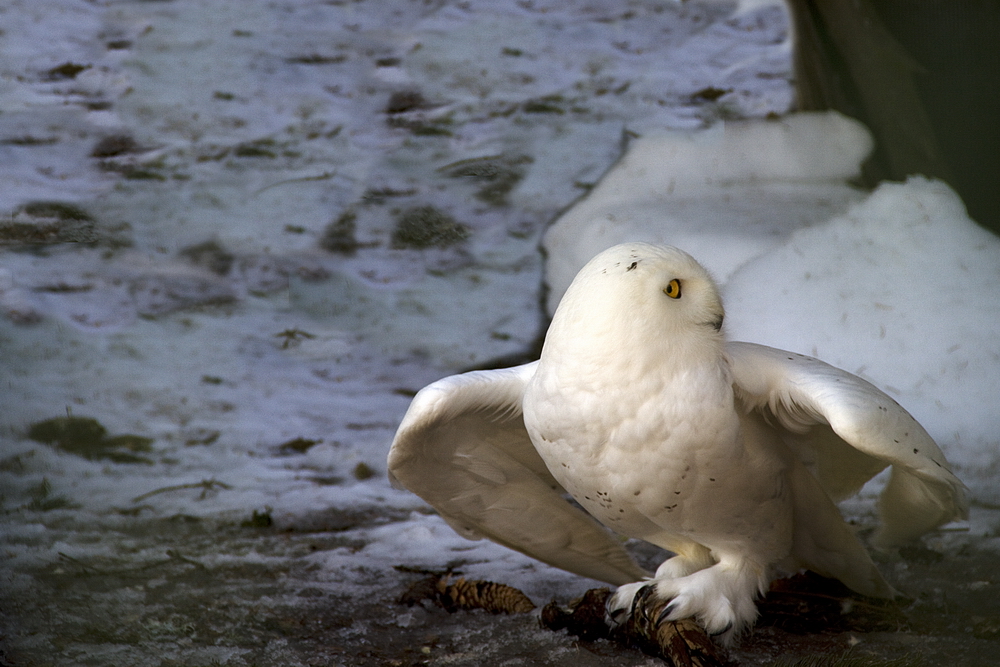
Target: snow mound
{"points": [[725, 194]]}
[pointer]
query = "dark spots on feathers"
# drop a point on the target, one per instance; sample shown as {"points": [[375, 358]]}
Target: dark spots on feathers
{"points": [[635, 493], [677, 493], [711, 479], [631, 267], [916, 451]]}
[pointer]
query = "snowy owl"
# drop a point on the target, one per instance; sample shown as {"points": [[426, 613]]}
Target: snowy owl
{"points": [[728, 455]]}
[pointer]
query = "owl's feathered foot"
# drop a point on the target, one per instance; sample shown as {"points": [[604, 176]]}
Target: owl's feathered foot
{"points": [[682, 642], [720, 598]]}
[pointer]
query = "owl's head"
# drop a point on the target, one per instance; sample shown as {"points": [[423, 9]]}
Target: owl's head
{"points": [[641, 292]]}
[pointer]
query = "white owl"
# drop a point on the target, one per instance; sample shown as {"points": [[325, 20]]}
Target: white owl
{"points": [[729, 455]]}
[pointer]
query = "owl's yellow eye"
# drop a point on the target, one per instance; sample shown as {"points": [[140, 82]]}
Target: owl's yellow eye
{"points": [[673, 289]]}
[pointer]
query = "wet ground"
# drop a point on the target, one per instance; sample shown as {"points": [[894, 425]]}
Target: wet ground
{"points": [[188, 591]]}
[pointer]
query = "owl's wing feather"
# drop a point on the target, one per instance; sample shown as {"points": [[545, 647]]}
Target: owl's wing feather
{"points": [[463, 448], [847, 430]]}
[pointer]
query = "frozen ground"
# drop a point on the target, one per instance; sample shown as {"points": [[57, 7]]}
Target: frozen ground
{"points": [[256, 228]]}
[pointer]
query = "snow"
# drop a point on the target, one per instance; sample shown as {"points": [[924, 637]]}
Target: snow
{"points": [[724, 194], [205, 313]]}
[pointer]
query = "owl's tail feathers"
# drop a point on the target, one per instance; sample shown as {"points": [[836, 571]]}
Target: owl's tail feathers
{"points": [[825, 544]]}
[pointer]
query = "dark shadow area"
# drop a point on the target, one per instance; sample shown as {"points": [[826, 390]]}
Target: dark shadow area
{"points": [[923, 75]]}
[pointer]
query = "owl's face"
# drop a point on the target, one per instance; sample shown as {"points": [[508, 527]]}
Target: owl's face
{"points": [[640, 290]]}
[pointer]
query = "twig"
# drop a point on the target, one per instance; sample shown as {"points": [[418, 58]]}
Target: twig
{"points": [[77, 561], [176, 555], [302, 179], [205, 484], [90, 569]]}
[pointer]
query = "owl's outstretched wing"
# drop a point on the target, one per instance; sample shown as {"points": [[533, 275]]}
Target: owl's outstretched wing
{"points": [[846, 430], [463, 448]]}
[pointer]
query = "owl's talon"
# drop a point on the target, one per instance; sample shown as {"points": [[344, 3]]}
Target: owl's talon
{"points": [[667, 611], [641, 595], [729, 626]]}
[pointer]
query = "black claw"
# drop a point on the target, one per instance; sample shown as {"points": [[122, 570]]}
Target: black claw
{"points": [[723, 631], [615, 616], [669, 609], [643, 593], [639, 601]]}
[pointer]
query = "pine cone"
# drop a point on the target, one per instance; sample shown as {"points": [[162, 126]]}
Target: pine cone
{"points": [[478, 594], [462, 594]]}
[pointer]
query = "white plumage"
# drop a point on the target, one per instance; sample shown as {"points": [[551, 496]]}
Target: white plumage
{"points": [[730, 455]]}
